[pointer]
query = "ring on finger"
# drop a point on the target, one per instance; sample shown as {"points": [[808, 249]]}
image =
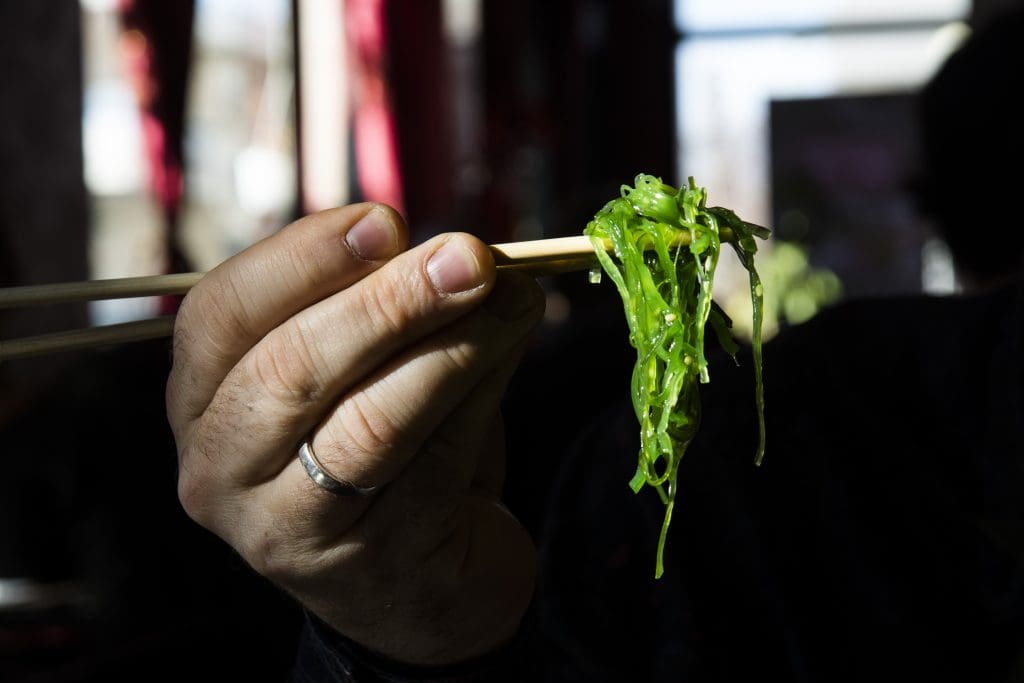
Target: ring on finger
{"points": [[316, 472]]}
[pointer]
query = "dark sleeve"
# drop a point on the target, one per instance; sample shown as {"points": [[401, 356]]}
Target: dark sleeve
{"points": [[325, 655]]}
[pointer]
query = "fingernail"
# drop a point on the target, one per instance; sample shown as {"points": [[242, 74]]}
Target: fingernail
{"points": [[373, 236], [453, 268], [509, 300]]}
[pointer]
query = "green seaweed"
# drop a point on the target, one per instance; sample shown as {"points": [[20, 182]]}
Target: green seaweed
{"points": [[665, 249]]}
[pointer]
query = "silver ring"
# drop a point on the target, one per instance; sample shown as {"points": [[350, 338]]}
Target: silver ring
{"points": [[325, 481]]}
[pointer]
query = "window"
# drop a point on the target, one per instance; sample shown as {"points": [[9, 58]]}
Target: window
{"points": [[739, 61]]}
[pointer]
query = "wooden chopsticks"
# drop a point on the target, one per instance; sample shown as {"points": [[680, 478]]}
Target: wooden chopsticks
{"points": [[89, 337], [534, 257], [96, 290], [537, 257]]}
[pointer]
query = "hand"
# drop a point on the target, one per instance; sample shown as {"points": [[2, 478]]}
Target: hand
{"points": [[393, 363]]}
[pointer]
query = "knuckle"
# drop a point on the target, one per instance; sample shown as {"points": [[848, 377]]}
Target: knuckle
{"points": [[183, 345], [217, 307], [362, 554], [309, 261], [183, 398], [192, 497], [461, 356], [365, 429], [265, 559], [386, 305], [175, 403], [273, 556], [182, 339], [202, 449], [285, 369], [227, 314]]}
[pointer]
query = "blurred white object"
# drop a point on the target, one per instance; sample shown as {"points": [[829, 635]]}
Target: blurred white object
{"points": [[112, 139], [938, 274], [324, 107], [264, 180], [696, 16]]}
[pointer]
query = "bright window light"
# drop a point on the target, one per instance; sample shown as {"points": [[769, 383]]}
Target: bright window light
{"points": [[725, 87], [695, 16]]}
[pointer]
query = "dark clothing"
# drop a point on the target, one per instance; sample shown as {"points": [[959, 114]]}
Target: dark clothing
{"points": [[882, 539]]}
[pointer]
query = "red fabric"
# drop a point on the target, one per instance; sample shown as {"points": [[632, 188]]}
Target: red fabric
{"points": [[433, 102], [375, 140], [156, 51]]}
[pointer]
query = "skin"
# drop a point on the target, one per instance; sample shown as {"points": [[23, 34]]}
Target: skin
{"points": [[393, 361]]}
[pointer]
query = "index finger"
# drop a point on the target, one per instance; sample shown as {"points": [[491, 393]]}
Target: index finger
{"points": [[251, 293]]}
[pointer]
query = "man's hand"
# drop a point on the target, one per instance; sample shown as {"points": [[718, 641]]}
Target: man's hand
{"points": [[393, 364]]}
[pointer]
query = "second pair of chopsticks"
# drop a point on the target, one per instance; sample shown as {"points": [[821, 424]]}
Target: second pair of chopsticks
{"points": [[535, 257]]}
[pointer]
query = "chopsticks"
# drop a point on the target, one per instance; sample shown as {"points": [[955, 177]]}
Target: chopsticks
{"points": [[537, 257], [97, 290], [534, 257], [89, 337]]}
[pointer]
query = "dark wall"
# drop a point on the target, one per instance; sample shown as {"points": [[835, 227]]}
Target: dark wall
{"points": [[43, 211]]}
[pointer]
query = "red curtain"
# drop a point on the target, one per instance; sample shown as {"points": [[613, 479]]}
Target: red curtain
{"points": [[156, 51], [375, 141]]}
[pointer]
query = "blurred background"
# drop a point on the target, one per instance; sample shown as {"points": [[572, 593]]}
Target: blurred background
{"points": [[151, 136]]}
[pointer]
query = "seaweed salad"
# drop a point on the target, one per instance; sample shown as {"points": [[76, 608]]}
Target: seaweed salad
{"points": [[665, 244]]}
